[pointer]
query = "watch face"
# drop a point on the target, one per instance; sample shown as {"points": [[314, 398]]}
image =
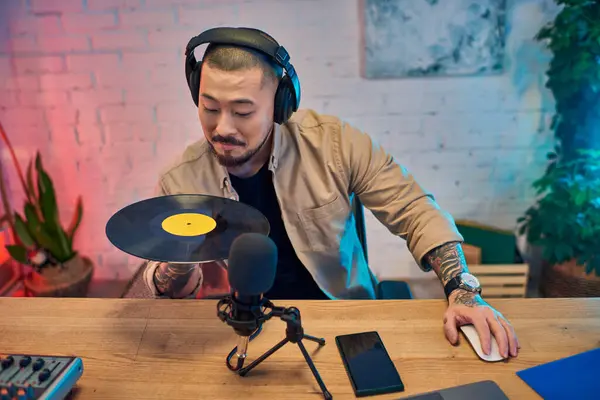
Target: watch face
{"points": [[469, 280]]}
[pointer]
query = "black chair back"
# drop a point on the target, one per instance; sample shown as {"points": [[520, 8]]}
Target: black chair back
{"points": [[361, 227], [388, 290]]}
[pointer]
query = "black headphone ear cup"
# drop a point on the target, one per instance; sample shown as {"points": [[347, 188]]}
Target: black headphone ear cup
{"points": [[277, 109], [283, 101], [194, 82], [286, 108]]}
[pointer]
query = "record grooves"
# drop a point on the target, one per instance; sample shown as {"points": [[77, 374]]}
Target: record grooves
{"points": [[183, 228]]}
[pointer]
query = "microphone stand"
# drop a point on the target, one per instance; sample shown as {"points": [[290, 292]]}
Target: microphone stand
{"points": [[294, 333]]}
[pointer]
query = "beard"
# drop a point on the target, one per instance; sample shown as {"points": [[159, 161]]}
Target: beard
{"points": [[235, 161]]}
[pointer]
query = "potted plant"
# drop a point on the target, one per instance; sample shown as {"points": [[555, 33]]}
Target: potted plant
{"points": [[39, 239], [565, 224], [565, 221]]}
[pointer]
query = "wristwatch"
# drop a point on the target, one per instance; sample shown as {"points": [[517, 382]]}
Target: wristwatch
{"points": [[463, 281]]}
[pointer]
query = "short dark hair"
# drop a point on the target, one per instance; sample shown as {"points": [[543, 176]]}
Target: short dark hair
{"points": [[236, 58]]}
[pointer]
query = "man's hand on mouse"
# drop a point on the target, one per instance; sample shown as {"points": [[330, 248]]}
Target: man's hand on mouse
{"points": [[469, 308]]}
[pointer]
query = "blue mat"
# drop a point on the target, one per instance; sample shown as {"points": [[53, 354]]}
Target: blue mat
{"points": [[574, 377]]}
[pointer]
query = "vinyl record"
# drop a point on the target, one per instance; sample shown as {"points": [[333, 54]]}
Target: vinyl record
{"points": [[183, 228]]}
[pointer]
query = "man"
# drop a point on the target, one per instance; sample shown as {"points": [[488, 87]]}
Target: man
{"points": [[302, 173]]}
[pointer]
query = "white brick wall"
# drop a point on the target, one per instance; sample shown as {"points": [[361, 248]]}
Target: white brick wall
{"points": [[98, 87]]}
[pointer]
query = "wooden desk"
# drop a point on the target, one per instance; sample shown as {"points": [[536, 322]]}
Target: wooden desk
{"points": [[167, 349]]}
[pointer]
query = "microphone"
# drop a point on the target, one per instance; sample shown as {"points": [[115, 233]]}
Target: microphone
{"points": [[252, 265]]}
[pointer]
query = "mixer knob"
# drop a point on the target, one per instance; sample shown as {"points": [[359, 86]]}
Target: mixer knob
{"points": [[22, 394], [7, 392], [25, 361], [7, 362], [45, 374], [38, 364], [4, 395]]}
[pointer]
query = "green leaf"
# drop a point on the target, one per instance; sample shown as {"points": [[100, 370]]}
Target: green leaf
{"points": [[76, 219], [19, 253], [64, 244], [47, 198], [36, 228], [23, 232], [38, 161], [33, 222], [580, 198], [544, 33], [51, 224]]}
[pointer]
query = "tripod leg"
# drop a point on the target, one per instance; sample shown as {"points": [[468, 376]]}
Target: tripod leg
{"points": [[312, 367], [245, 370], [321, 341]]}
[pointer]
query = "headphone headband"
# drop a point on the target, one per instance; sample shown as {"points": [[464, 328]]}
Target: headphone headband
{"points": [[245, 37]]}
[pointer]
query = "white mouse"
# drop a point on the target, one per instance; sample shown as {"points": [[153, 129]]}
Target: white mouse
{"points": [[471, 334]]}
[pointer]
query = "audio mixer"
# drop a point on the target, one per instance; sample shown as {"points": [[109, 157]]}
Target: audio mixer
{"points": [[33, 377]]}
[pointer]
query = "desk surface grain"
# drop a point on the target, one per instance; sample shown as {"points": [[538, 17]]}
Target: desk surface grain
{"points": [[159, 349]]}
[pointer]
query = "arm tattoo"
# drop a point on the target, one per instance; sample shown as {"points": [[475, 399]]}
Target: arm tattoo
{"points": [[468, 299], [172, 279], [449, 261]]}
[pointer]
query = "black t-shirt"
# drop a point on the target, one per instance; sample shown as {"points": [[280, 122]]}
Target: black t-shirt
{"points": [[293, 281]]}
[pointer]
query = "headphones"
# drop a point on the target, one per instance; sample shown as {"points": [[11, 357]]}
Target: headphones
{"points": [[287, 96]]}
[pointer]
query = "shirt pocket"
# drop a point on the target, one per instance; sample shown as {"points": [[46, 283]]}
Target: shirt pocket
{"points": [[324, 226]]}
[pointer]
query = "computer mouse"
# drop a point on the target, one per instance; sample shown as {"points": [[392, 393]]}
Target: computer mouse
{"points": [[471, 334]]}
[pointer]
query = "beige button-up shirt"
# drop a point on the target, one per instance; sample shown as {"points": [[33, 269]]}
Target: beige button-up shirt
{"points": [[319, 164]]}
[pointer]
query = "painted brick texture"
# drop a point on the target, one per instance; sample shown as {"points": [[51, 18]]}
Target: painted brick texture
{"points": [[97, 87]]}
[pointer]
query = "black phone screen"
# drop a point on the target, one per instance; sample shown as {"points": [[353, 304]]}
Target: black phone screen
{"points": [[368, 364]]}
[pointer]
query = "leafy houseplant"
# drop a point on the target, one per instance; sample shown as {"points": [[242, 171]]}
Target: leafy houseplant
{"points": [[43, 241], [565, 222], [40, 241]]}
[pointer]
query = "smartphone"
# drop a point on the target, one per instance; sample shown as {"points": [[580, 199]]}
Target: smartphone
{"points": [[368, 364]]}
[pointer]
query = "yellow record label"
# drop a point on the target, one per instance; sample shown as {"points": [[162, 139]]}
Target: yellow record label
{"points": [[189, 224]]}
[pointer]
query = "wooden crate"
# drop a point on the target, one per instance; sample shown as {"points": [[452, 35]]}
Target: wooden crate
{"points": [[502, 280]]}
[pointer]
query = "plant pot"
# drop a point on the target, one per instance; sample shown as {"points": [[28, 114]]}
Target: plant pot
{"points": [[71, 279], [568, 280]]}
